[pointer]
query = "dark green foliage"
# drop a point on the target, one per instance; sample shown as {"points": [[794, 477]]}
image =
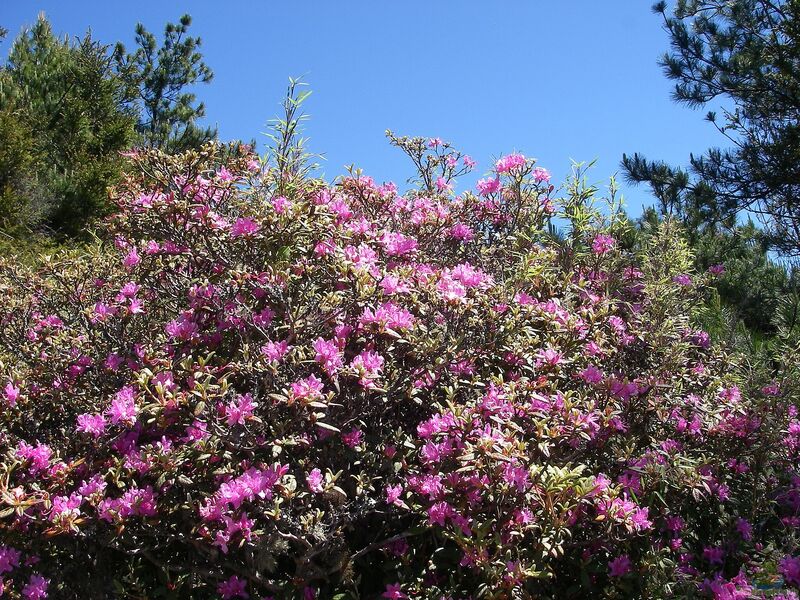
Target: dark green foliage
{"points": [[748, 293], [693, 203], [68, 110], [745, 55], [16, 160], [752, 283], [159, 78], [63, 123]]}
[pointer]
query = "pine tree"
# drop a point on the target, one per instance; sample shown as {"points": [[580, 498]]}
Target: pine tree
{"points": [[64, 118], [160, 78], [744, 54]]}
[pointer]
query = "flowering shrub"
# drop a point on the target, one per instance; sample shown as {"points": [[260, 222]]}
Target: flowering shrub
{"points": [[265, 386]]}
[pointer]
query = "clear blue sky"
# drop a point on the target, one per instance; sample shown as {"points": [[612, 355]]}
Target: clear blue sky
{"points": [[557, 80]]}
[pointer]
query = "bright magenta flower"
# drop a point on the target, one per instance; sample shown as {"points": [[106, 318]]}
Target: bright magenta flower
{"points": [[123, 407], [244, 227], [11, 394], [315, 481], [234, 587], [620, 566], [93, 424], [36, 588], [394, 592], [602, 244], [510, 163]]}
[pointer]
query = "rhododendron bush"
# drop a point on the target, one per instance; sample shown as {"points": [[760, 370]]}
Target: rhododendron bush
{"points": [[263, 385]]}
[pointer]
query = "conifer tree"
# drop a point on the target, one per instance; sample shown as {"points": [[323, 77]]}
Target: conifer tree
{"points": [[745, 56], [161, 77], [64, 118]]}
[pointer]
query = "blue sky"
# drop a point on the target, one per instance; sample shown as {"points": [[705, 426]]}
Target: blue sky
{"points": [[556, 80]]}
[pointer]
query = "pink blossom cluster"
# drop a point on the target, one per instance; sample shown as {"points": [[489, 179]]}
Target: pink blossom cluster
{"points": [[268, 386]]}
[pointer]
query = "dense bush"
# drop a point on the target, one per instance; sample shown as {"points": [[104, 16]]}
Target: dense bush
{"points": [[267, 386], [70, 108], [64, 119]]}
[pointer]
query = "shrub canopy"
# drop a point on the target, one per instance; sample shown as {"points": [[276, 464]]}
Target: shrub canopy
{"points": [[345, 391]]}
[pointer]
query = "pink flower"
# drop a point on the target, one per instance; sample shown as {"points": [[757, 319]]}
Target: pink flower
{"points": [[324, 248], [397, 244], [488, 186], [254, 483], [701, 339], [462, 232], [620, 566], [243, 526], [717, 269], [387, 315], [541, 175], [602, 244], [442, 185], [131, 259], [731, 394], [362, 256], [328, 356], [434, 142], [309, 389], [275, 351], [315, 480], [240, 410], [136, 502], [515, 476], [233, 588], [135, 306], [509, 163], [263, 318], [9, 559], [353, 438], [281, 204], [11, 394], [468, 162], [392, 284], [95, 485], [591, 374], [93, 424], [640, 519], [393, 493], [36, 588], [601, 483], [592, 349], [737, 588], [39, 456], [549, 356], [744, 528], [393, 592], [197, 431], [368, 366], [438, 513], [470, 277], [683, 280], [123, 408], [341, 209], [113, 361], [65, 508], [790, 569], [244, 227]]}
